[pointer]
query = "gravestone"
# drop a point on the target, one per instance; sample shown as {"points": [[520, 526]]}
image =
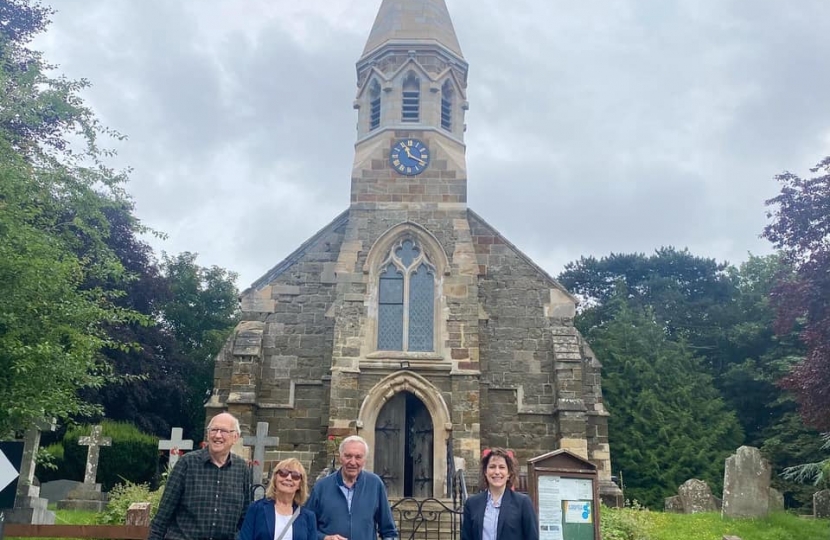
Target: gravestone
{"points": [[696, 497], [746, 483], [821, 504], [138, 514], [673, 504], [88, 496], [259, 442], [175, 445], [776, 500], [29, 506]]}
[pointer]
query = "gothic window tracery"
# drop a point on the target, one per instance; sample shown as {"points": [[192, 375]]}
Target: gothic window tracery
{"points": [[406, 300]]}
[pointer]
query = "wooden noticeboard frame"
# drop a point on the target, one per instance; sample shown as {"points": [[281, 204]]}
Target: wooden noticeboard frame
{"points": [[565, 491]]}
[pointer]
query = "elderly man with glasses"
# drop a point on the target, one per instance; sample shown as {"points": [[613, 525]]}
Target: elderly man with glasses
{"points": [[208, 491]]}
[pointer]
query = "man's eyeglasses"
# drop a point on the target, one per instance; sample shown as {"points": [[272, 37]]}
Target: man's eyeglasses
{"points": [[293, 474], [222, 431]]}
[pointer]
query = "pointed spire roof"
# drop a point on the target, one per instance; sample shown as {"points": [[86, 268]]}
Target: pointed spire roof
{"points": [[413, 20]]}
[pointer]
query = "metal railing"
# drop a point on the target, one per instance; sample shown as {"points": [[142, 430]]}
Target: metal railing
{"points": [[427, 519]]}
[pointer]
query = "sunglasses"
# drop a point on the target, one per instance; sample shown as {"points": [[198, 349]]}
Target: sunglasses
{"points": [[293, 474]]}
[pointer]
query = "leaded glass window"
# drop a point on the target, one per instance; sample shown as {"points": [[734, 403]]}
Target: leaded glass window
{"points": [[406, 300]]}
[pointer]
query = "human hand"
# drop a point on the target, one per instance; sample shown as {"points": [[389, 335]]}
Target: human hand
{"points": [[334, 537]]}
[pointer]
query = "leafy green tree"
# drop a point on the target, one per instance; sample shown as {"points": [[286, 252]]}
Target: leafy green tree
{"points": [[200, 312], [668, 423], [58, 278]]}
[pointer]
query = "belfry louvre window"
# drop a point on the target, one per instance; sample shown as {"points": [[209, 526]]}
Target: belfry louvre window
{"points": [[406, 300], [411, 99], [374, 105], [446, 106]]}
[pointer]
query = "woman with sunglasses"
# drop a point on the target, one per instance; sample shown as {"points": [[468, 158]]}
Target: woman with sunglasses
{"points": [[280, 515], [498, 512]]}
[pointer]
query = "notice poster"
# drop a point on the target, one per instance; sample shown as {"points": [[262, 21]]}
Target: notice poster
{"points": [[578, 512], [550, 507], [561, 501]]}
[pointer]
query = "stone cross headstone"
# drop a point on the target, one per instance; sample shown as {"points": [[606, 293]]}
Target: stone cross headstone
{"points": [[29, 506], [95, 441], [259, 442], [175, 443], [821, 504], [746, 483]]}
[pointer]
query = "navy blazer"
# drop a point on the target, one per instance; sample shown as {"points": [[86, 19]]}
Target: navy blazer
{"points": [[517, 518], [260, 522]]}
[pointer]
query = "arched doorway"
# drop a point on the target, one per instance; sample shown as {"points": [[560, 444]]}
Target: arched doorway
{"points": [[404, 448]]}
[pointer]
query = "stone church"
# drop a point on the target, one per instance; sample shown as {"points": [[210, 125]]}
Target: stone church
{"points": [[408, 319]]}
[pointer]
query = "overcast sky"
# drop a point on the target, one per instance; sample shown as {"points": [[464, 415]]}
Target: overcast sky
{"points": [[594, 126]]}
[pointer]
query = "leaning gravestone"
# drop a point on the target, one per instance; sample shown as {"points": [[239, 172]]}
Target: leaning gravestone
{"points": [[821, 504], [29, 506], [746, 481], [88, 496]]}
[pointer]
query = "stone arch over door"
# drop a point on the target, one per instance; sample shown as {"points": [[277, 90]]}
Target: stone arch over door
{"points": [[430, 396]]}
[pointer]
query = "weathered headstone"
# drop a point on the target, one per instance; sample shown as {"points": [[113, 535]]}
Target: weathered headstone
{"points": [[175, 445], [88, 495], [746, 483], [821, 504], [259, 442], [731, 537], [29, 506], [696, 497], [673, 504], [776, 500], [139, 514]]}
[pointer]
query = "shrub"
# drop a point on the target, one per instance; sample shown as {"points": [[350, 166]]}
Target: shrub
{"points": [[133, 456], [122, 496], [630, 523]]}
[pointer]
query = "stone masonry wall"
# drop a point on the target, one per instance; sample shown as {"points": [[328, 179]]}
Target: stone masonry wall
{"points": [[276, 366]]}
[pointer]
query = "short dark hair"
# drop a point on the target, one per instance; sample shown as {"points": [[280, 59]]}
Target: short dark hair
{"points": [[512, 466]]}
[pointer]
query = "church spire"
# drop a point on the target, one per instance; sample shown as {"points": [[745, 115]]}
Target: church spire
{"points": [[414, 22]]}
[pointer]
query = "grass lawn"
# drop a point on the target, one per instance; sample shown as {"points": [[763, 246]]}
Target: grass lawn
{"points": [[645, 525], [74, 517], [711, 526]]}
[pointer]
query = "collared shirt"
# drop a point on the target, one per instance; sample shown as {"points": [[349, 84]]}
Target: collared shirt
{"points": [[202, 501], [491, 517]]}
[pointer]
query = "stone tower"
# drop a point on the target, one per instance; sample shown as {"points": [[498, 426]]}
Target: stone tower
{"points": [[408, 319]]}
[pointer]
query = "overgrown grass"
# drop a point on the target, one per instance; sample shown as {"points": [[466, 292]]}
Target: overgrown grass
{"points": [[74, 517], [635, 524]]}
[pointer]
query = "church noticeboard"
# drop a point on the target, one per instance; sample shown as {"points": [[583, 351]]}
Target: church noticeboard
{"points": [[564, 490]]}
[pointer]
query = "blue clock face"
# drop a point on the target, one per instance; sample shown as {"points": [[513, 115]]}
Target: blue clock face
{"points": [[409, 157]]}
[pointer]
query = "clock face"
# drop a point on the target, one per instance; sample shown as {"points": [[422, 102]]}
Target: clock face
{"points": [[409, 157]]}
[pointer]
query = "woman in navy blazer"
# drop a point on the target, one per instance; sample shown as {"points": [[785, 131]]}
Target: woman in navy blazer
{"points": [[287, 490], [498, 512]]}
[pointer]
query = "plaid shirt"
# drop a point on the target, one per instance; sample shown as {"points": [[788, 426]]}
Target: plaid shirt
{"points": [[202, 501]]}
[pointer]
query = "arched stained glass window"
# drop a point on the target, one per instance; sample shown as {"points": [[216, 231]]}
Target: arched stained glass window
{"points": [[406, 300]]}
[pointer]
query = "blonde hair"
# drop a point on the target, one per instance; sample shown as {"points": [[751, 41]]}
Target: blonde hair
{"points": [[291, 464]]}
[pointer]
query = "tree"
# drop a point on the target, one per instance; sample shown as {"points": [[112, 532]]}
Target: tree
{"points": [[53, 230], [668, 422], [201, 311], [800, 228], [689, 296]]}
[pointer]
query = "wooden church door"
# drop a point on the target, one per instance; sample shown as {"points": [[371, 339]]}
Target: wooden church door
{"points": [[403, 447]]}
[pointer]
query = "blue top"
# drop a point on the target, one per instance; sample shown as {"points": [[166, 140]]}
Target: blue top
{"points": [[260, 522], [369, 516]]}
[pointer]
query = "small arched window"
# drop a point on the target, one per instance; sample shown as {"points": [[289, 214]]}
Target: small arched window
{"points": [[411, 99], [446, 106], [406, 300], [374, 105]]}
